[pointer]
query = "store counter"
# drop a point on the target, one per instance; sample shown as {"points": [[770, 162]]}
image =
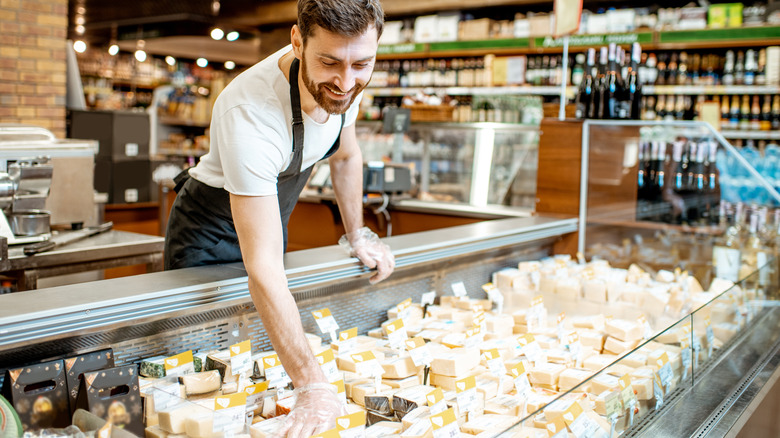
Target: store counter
{"points": [[111, 249]]}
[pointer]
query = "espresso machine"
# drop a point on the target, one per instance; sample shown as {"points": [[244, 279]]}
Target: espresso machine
{"points": [[44, 182]]}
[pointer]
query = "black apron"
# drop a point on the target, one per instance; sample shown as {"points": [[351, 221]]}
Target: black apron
{"points": [[200, 227]]}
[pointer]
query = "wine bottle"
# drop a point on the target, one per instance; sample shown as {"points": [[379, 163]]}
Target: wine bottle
{"points": [[584, 98], [734, 112], [739, 69], [669, 109], [612, 87], [671, 68], [744, 119], [765, 123], [651, 75], [596, 108], [750, 68], [728, 69], [578, 72], [660, 107], [755, 115], [649, 108], [633, 87], [725, 120], [761, 68]]}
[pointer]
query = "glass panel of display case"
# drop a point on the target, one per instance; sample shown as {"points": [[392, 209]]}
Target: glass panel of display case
{"points": [[677, 195], [464, 163]]}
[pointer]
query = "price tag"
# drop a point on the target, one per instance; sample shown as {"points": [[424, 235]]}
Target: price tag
{"points": [[352, 426], [529, 348], [696, 351], [428, 298], [326, 322], [648, 331], [274, 372], [459, 289], [726, 262], [241, 358], [327, 361], [522, 384], [658, 391], [421, 354], [574, 346], [436, 401], [348, 340], [445, 424], [613, 405], [230, 412], [255, 393], [341, 389], [710, 336], [495, 295], [560, 329], [627, 395], [473, 337], [665, 372], [166, 395], [396, 334], [580, 425], [179, 365], [404, 308], [366, 364], [466, 390], [479, 320], [494, 362]]}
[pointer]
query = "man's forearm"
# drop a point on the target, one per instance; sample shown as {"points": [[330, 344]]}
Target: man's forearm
{"points": [[347, 179], [282, 322]]}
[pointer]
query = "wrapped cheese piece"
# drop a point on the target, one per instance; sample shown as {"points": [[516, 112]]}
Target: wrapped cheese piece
{"points": [[572, 377], [400, 367], [375, 417], [489, 422], [546, 374], [220, 361], [201, 383], [604, 382], [359, 392], [405, 382], [173, 419], [153, 367], [421, 429], [592, 338], [409, 399], [724, 331], [350, 384], [643, 388], [617, 346], [345, 362], [504, 404], [381, 403], [623, 330], [267, 428], [447, 383], [415, 415], [383, 428], [593, 322], [459, 362]]}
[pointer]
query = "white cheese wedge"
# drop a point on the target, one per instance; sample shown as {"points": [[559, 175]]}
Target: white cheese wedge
{"points": [[400, 367], [617, 346], [504, 404], [459, 362], [572, 377], [201, 383], [623, 330], [546, 374], [267, 428], [359, 392], [411, 418], [173, 419]]}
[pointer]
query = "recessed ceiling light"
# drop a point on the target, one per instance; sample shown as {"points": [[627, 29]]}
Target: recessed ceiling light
{"points": [[113, 50], [202, 62], [232, 36], [80, 46], [170, 60], [217, 33], [230, 65], [80, 29], [140, 55]]}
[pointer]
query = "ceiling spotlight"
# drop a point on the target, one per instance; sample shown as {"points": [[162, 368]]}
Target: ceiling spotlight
{"points": [[80, 46], [170, 60], [230, 65], [215, 7], [140, 55], [202, 62], [79, 19], [80, 29], [217, 33], [113, 50], [81, 10], [232, 36]]}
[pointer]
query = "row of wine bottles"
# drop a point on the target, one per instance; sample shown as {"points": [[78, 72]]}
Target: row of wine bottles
{"points": [[609, 94], [757, 113]]}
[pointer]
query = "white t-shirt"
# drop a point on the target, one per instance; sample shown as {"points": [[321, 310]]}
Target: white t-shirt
{"points": [[251, 132]]}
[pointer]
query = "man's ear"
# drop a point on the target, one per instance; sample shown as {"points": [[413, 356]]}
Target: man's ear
{"points": [[296, 38]]}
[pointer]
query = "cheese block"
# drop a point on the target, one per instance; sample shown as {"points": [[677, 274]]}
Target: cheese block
{"points": [[383, 428], [546, 374], [724, 331], [154, 432], [489, 423], [572, 377], [344, 362], [556, 355], [409, 399], [593, 322], [595, 290], [500, 324], [154, 367], [459, 362], [421, 429], [172, 420], [617, 346], [447, 383], [353, 408], [600, 401], [415, 415], [220, 361], [593, 339], [350, 384], [547, 342], [375, 417], [635, 359], [201, 383], [405, 382], [375, 333], [201, 426], [504, 404], [604, 382], [643, 372], [313, 340], [285, 406], [623, 330], [400, 367], [643, 388], [360, 391], [269, 406], [619, 369], [267, 428], [487, 385], [538, 398], [504, 279], [381, 403], [414, 312], [568, 289], [559, 406]]}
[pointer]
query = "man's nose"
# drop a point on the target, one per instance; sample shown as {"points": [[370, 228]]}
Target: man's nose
{"points": [[345, 80]]}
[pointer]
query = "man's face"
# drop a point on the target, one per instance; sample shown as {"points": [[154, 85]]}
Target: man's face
{"points": [[335, 68]]}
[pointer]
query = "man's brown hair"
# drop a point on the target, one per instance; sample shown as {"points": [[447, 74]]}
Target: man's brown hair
{"points": [[344, 17]]}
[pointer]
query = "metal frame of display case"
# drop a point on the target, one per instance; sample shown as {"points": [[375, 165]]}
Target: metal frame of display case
{"points": [[682, 125]]}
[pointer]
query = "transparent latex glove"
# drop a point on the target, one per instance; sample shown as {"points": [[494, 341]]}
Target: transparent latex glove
{"points": [[316, 408], [372, 252]]}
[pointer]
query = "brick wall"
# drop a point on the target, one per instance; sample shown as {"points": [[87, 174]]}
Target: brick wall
{"points": [[32, 63]]}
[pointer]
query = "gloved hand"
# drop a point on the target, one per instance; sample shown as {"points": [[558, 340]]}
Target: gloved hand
{"points": [[366, 246], [316, 408]]}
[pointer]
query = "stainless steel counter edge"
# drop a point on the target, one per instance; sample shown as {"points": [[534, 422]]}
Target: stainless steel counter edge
{"points": [[52, 312]]}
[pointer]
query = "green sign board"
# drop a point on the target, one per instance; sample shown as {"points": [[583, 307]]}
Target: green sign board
{"points": [[594, 40], [398, 49], [705, 35], [513, 43]]}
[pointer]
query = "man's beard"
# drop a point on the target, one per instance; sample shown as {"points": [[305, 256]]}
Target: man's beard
{"points": [[318, 92]]}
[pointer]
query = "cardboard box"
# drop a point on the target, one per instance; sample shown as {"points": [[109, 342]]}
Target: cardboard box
{"points": [[724, 15], [76, 366], [122, 135], [447, 27], [39, 394], [426, 28], [113, 395], [478, 29], [541, 25]]}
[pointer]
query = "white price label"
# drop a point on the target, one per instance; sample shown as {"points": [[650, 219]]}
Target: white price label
{"points": [[370, 368], [727, 262], [666, 374], [467, 400], [439, 407], [687, 356], [532, 351], [325, 321], [658, 392], [230, 419], [397, 338], [585, 427], [421, 356], [459, 289], [710, 340], [496, 367], [277, 377], [522, 385], [428, 298], [242, 363], [696, 350], [331, 371], [166, 395]]}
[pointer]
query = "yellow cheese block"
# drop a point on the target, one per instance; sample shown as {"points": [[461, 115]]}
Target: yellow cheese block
{"points": [[421, 413], [458, 362], [489, 423], [344, 362], [349, 385], [568, 289], [360, 391], [617, 346], [421, 429], [546, 374], [173, 419], [572, 377], [400, 367], [595, 290], [405, 382], [201, 426], [267, 428], [504, 404], [447, 383], [201, 383], [604, 382], [624, 330], [593, 322], [643, 388], [155, 432], [409, 399], [383, 428]]}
